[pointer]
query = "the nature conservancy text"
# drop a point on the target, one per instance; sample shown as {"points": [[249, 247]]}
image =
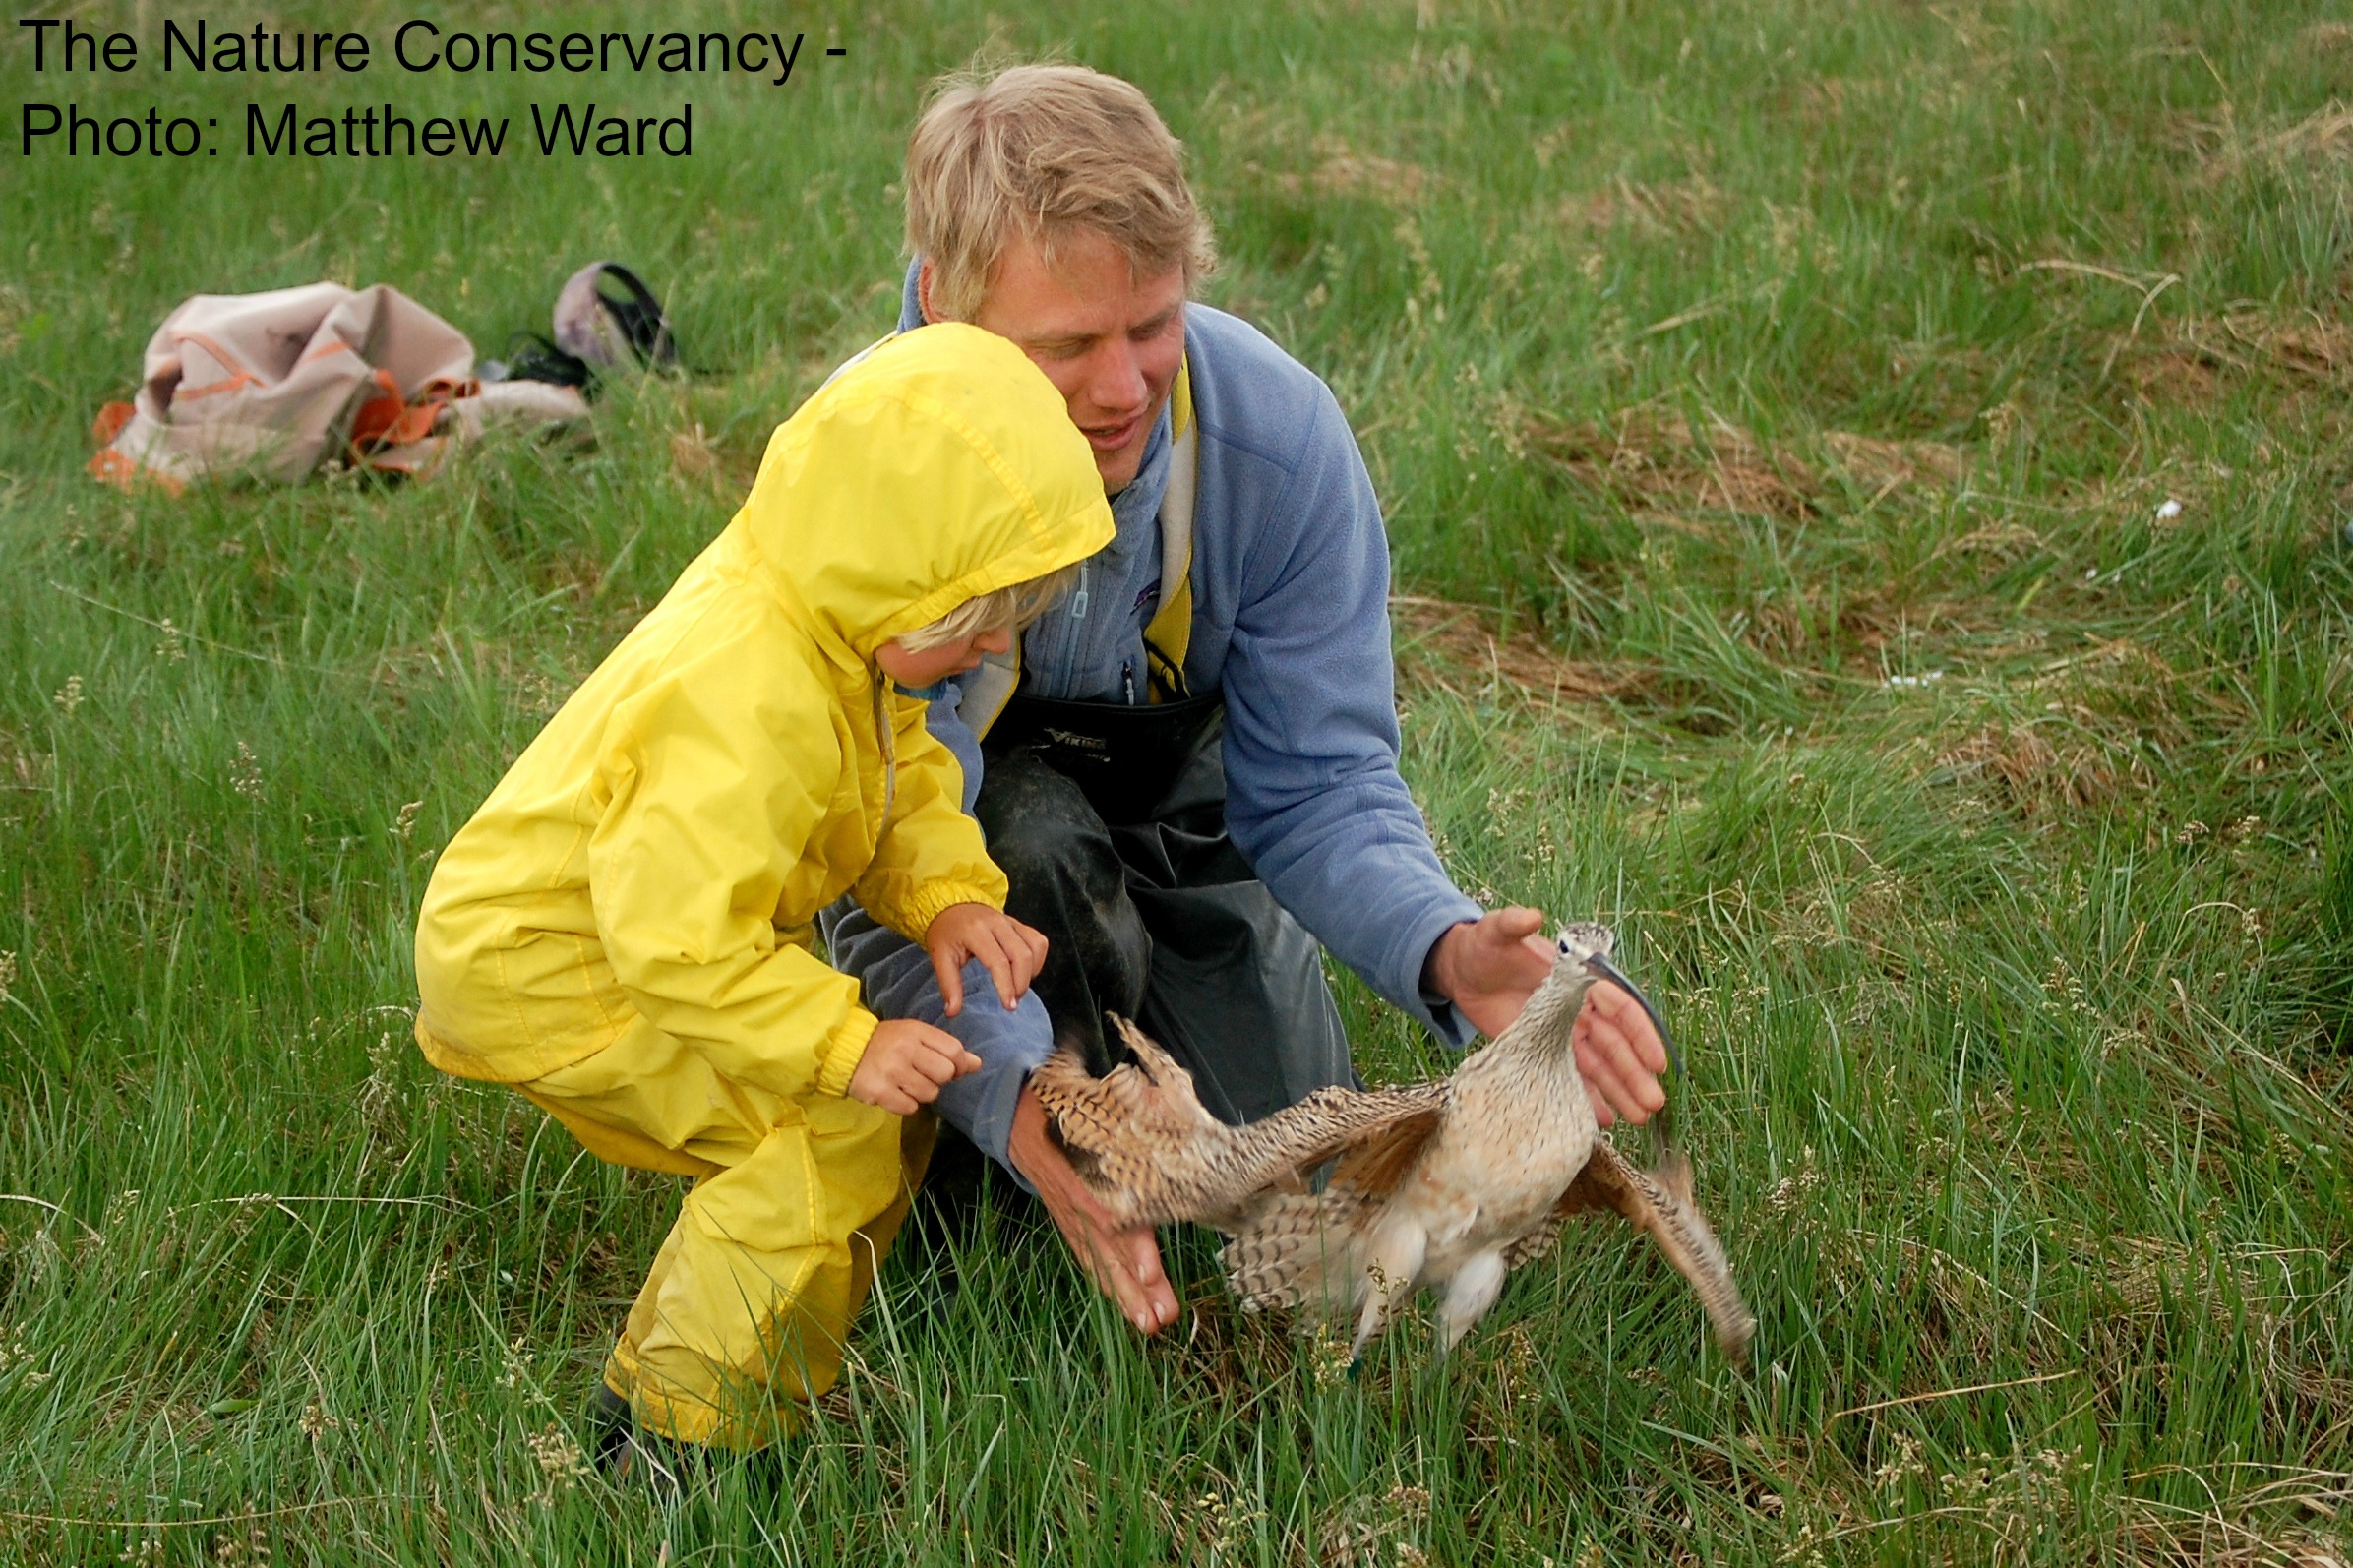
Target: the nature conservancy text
{"points": [[192, 50]]}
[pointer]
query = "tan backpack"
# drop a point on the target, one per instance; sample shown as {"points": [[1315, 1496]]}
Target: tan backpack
{"points": [[275, 386]]}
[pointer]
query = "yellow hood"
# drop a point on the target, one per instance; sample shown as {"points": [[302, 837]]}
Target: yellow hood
{"points": [[938, 466]]}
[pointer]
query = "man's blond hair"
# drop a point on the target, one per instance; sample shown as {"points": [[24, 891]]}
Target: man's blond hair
{"points": [[1046, 151], [1011, 608]]}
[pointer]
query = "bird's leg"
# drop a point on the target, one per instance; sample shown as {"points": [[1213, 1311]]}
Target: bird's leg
{"points": [[1469, 1296], [1391, 1271]]}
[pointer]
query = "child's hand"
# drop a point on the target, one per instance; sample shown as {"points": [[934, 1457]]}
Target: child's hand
{"points": [[1013, 952], [905, 1064]]}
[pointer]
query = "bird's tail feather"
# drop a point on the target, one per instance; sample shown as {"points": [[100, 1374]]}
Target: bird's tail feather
{"points": [[1295, 1252], [1660, 1202]]}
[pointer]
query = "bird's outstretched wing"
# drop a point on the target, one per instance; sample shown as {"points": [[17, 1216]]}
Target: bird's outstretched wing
{"points": [[1141, 1139], [1134, 1112], [1138, 1136], [1306, 1249], [1659, 1201]]}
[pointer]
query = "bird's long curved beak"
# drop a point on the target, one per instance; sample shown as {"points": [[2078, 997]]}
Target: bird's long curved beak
{"points": [[1602, 969]]}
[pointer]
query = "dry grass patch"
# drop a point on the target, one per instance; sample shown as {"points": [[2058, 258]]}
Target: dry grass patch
{"points": [[1820, 100], [1443, 638], [1341, 170], [2193, 363], [2326, 132], [1334, 166], [697, 462], [21, 766], [2327, 37], [2032, 775], [1656, 464], [2310, 345], [1882, 464], [2158, 1533], [2325, 135], [1652, 464], [2151, 1286], [1660, 209], [1997, 543], [1864, 632]]}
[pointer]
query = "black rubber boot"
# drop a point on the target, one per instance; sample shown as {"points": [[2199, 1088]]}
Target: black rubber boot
{"points": [[631, 1459], [636, 1460], [609, 1423]]}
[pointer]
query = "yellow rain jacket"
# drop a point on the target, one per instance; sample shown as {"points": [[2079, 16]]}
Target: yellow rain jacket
{"points": [[625, 929]]}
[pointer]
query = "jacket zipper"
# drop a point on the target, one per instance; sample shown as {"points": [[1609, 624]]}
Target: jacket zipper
{"points": [[1075, 641]]}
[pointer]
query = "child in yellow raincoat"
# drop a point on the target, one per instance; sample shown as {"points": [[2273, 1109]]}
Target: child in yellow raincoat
{"points": [[625, 931]]}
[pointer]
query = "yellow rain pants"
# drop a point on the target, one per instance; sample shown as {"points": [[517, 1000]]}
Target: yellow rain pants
{"points": [[745, 1314]]}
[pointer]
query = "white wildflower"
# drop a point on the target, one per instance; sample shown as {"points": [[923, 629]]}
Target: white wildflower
{"points": [[245, 773], [562, 1463], [516, 1363]]}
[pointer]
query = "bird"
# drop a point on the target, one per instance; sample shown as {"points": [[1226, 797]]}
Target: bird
{"points": [[1351, 1201]]}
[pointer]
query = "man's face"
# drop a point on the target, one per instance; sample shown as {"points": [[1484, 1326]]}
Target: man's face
{"points": [[1109, 341]]}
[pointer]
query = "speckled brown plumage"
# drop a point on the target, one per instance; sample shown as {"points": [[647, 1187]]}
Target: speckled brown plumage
{"points": [[1153, 1154], [1446, 1185]]}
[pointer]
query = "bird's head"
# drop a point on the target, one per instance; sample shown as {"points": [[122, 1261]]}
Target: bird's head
{"points": [[1586, 951], [1583, 940], [1579, 946]]}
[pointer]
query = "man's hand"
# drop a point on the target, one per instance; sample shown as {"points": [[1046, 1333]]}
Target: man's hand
{"points": [[1013, 952], [905, 1064], [1489, 969], [1621, 1056], [1123, 1264]]}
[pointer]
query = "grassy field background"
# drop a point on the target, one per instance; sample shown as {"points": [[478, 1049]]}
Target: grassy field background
{"points": [[1869, 488]]}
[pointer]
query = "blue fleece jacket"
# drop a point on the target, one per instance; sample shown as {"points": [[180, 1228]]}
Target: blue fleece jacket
{"points": [[1290, 620]]}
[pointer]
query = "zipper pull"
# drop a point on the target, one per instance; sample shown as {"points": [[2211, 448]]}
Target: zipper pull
{"points": [[1127, 682], [1078, 600]]}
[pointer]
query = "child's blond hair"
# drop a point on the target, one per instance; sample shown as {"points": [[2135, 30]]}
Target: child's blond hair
{"points": [[1011, 607]]}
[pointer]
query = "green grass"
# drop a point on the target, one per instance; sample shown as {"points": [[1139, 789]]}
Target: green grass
{"points": [[1773, 406]]}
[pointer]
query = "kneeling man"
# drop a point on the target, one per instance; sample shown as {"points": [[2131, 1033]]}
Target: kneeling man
{"points": [[1187, 767]]}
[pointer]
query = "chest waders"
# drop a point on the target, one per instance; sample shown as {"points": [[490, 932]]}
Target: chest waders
{"points": [[1108, 820]]}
